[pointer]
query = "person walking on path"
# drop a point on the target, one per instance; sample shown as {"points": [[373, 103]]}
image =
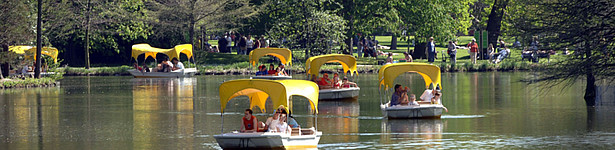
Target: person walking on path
{"points": [[452, 51], [431, 50], [473, 50]]}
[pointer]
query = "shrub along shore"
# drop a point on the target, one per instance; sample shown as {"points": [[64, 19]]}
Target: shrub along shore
{"points": [[27, 82]]}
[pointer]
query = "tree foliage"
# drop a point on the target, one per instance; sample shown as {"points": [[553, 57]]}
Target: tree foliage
{"points": [[588, 27], [441, 19]]}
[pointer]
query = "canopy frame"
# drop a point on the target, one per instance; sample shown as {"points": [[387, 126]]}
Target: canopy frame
{"points": [[348, 62]]}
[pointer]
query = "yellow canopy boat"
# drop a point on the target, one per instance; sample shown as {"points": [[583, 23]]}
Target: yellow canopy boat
{"points": [[313, 64], [426, 109], [284, 54], [349, 64], [279, 92], [30, 52], [149, 51]]}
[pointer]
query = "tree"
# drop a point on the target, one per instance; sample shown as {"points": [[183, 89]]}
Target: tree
{"points": [[39, 42], [14, 29], [181, 19], [495, 20], [588, 26], [104, 28]]}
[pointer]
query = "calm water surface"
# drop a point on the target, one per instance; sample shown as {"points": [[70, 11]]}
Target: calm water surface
{"points": [[486, 111]]}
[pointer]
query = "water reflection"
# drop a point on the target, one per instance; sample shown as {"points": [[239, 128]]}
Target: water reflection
{"points": [[424, 132], [153, 99], [339, 116]]}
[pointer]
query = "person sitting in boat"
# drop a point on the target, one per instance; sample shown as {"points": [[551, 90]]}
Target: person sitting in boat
{"points": [[282, 125], [248, 122], [145, 68], [264, 127], [436, 97], [136, 66], [272, 70], [347, 84], [412, 100], [261, 71], [325, 82], [281, 71], [292, 122], [337, 83], [428, 95], [177, 64], [399, 97]]}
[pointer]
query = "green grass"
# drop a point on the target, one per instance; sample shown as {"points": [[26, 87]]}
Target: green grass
{"points": [[27, 82]]}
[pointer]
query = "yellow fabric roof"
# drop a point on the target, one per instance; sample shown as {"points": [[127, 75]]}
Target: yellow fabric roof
{"points": [[279, 91], [284, 54], [150, 51], [313, 64], [30, 52], [388, 73]]}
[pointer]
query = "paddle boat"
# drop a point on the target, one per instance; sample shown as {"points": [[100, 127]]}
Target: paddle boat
{"points": [[279, 92], [283, 54], [349, 65], [148, 51], [29, 54], [432, 77]]}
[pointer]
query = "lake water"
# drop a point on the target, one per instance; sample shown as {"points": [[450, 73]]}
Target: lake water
{"points": [[486, 111]]}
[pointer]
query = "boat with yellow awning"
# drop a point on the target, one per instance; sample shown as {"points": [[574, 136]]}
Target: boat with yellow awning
{"points": [[279, 92], [349, 65], [426, 109], [29, 53], [175, 52], [283, 54]]}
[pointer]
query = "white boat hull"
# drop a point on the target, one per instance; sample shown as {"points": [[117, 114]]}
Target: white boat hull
{"points": [[343, 93], [414, 111], [272, 77], [188, 72], [266, 140]]}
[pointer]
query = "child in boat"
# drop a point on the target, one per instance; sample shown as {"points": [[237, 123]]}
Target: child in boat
{"points": [[336, 81], [347, 84], [248, 122], [280, 70], [436, 97], [411, 101]]}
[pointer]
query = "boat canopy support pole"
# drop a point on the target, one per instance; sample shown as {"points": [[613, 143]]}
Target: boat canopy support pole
{"points": [[222, 123]]}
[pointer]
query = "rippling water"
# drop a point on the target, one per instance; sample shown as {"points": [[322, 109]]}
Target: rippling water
{"points": [[486, 111]]}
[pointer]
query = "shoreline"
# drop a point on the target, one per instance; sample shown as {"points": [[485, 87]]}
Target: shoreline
{"points": [[28, 83]]}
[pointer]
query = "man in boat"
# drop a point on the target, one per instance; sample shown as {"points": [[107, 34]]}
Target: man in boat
{"points": [[428, 95], [325, 82], [248, 122], [347, 84], [177, 64], [400, 97], [261, 71]]}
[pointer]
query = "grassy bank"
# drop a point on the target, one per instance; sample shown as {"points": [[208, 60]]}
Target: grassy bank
{"points": [[95, 71], [27, 82]]}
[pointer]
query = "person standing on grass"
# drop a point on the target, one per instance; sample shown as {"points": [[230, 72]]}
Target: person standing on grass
{"points": [[229, 43], [431, 50], [243, 45], [452, 51], [473, 50], [250, 44], [257, 43]]}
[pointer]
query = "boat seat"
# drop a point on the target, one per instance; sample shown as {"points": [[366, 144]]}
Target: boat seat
{"points": [[423, 102], [307, 131], [295, 132]]}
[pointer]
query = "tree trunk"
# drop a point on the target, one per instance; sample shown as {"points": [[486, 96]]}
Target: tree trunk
{"points": [[590, 87], [350, 38], [5, 67], [394, 41], [87, 36], [39, 44], [495, 20], [192, 23]]}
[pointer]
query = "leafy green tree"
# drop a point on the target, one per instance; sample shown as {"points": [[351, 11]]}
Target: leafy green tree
{"points": [[441, 19], [588, 27], [14, 29], [104, 28]]}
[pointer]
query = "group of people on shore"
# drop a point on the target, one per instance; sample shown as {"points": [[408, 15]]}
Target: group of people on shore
{"points": [[164, 66], [401, 97], [273, 71], [326, 83], [280, 122], [243, 44]]}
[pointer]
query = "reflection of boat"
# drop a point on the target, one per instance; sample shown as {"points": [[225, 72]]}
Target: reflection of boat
{"points": [[431, 75], [345, 107], [148, 51], [349, 64], [280, 93], [415, 128], [284, 55]]}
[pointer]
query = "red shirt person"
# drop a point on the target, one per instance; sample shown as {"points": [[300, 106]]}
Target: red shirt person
{"points": [[272, 70], [249, 122]]}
